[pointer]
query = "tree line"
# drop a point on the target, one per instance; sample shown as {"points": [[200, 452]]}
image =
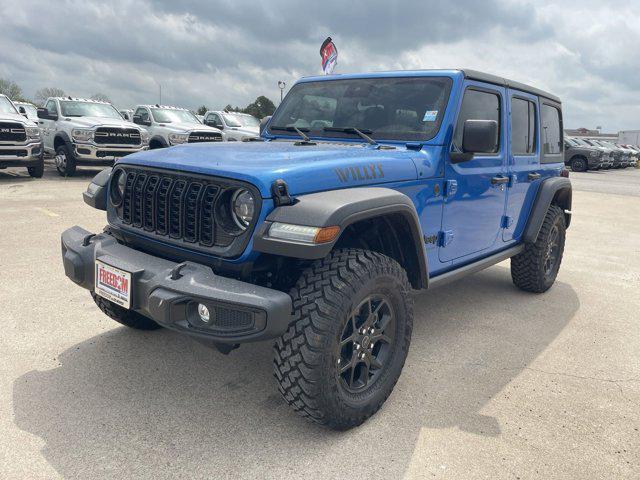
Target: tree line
{"points": [[259, 108]]}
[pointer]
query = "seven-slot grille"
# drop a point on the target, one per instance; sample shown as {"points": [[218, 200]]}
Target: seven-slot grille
{"points": [[12, 132], [196, 137], [176, 206], [117, 136]]}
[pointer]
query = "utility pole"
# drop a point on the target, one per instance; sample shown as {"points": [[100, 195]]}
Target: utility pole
{"points": [[159, 85]]}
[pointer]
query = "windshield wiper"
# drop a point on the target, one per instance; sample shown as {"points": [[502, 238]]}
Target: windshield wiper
{"points": [[300, 131], [360, 132]]}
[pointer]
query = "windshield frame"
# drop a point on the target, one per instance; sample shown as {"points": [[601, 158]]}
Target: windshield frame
{"points": [[116, 114], [449, 85], [10, 104]]}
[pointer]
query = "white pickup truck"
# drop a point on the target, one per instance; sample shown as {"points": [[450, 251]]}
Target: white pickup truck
{"points": [[20, 140], [87, 132], [169, 126], [236, 126]]}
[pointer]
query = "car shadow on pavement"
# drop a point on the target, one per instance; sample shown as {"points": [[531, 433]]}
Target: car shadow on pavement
{"points": [[127, 404]]}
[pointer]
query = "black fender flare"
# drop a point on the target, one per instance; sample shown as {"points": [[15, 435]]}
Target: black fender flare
{"points": [[159, 139], [556, 190], [96, 194], [65, 138], [341, 208]]}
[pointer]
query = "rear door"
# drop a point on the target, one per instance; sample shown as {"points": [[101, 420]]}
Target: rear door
{"points": [[523, 163], [475, 190]]}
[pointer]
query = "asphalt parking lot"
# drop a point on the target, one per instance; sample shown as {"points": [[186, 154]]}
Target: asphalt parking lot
{"points": [[498, 383]]}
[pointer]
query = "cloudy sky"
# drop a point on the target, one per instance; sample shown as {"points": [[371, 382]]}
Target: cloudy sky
{"points": [[220, 52]]}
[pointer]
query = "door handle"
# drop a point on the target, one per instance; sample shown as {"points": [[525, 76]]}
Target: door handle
{"points": [[499, 180], [533, 176]]}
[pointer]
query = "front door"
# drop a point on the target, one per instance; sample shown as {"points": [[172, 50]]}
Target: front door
{"points": [[48, 127], [475, 190]]}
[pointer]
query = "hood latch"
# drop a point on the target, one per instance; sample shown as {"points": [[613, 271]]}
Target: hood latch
{"points": [[280, 191]]}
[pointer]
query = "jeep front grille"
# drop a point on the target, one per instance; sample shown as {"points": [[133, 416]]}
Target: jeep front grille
{"points": [[12, 132], [117, 136], [196, 137], [180, 208]]}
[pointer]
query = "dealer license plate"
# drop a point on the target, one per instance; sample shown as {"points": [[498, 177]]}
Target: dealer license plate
{"points": [[113, 284]]}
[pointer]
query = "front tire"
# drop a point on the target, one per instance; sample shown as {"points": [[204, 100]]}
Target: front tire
{"points": [[37, 170], [535, 269], [128, 318], [344, 351], [65, 161]]}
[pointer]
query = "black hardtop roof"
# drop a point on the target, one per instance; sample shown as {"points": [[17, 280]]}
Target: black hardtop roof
{"points": [[496, 80]]}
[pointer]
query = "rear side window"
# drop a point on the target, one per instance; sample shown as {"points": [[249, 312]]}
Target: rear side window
{"points": [[478, 105], [551, 131], [523, 127]]}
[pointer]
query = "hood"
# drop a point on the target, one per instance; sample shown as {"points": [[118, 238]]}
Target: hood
{"points": [[16, 117], [245, 130], [306, 169], [89, 122], [189, 127]]}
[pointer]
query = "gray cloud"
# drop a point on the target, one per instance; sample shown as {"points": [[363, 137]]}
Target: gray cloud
{"points": [[230, 52]]}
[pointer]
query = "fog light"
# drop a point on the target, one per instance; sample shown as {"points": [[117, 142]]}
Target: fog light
{"points": [[203, 311]]}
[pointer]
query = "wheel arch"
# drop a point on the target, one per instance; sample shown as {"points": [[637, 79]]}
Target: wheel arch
{"points": [[157, 140], [552, 191], [61, 138], [379, 219]]}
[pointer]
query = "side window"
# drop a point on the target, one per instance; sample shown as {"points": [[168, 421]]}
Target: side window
{"points": [[478, 105], [144, 114], [551, 130], [217, 120], [51, 106], [523, 126]]}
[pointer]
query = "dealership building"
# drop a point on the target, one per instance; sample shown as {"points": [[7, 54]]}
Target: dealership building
{"points": [[627, 137]]}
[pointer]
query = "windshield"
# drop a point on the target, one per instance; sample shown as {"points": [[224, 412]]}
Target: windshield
{"points": [[249, 120], [172, 115], [385, 108], [32, 111], [73, 108], [6, 106], [232, 120]]}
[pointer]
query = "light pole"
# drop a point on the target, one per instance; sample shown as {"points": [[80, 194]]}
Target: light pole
{"points": [[281, 86]]}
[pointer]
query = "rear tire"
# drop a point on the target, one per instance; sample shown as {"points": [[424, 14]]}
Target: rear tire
{"points": [[128, 318], [37, 170], [344, 351], [65, 161], [535, 269]]}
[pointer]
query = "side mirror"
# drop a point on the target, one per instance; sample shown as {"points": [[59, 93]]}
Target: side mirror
{"points": [[263, 123], [479, 136], [44, 114], [22, 111], [137, 119]]}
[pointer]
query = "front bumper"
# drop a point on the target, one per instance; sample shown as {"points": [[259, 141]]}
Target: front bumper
{"points": [[93, 153], [169, 293], [19, 155]]}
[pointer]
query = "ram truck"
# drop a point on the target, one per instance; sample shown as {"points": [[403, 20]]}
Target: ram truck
{"points": [[168, 126], [20, 140], [362, 190], [79, 131]]}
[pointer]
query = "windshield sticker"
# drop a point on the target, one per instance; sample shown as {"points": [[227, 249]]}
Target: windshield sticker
{"points": [[430, 116]]}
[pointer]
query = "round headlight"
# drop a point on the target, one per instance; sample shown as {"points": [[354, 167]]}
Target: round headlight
{"points": [[243, 208], [118, 182]]}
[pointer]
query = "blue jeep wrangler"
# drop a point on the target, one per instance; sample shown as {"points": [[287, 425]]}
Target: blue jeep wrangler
{"points": [[361, 189]]}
